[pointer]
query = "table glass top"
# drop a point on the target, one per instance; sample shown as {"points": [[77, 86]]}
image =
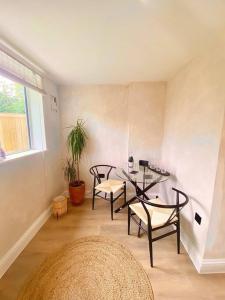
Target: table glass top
{"points": [[139, 174]]}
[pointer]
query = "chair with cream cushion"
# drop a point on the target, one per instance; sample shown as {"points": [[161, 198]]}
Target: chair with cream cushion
{"points": [[156, 215], [103, 184]]}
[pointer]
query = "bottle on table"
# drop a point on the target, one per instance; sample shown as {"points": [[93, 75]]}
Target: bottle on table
{"points": [[130, 162]]}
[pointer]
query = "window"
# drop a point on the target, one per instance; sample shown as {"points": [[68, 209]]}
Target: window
{"points": [[21, 118], [14, 123], [21, 103]]}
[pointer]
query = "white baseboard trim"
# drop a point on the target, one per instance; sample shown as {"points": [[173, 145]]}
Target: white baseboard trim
{"points": [[194, 256], [213, 265], [203, 266], [88, 194], [17, 248]]}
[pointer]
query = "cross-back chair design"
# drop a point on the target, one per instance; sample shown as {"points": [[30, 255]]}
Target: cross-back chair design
{"points": [[103, 184], [157, 215]]}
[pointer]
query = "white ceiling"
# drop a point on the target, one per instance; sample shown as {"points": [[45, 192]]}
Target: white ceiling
{"points": [[111, 41]]}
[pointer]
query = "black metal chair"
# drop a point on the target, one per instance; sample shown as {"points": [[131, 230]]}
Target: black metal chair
{"points": [[102, 184], [156, 215]]}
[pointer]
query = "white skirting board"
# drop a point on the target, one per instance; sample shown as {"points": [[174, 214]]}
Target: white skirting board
{"points": [[214, 265], [194, 256], [88, 194], [14, 252], [203, 266]]}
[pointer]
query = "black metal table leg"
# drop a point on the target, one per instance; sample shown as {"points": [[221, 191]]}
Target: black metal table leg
{"points": [[139, 192], [125, 204]]}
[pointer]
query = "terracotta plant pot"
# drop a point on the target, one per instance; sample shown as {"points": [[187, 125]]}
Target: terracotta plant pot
{"points": [[77, 191]]}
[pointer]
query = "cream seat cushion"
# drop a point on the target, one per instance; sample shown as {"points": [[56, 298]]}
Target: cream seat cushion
{"points": [[110, 185], [159, 216]]}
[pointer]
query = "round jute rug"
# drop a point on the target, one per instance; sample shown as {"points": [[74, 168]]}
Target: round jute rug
{"points": [[91, 268]]}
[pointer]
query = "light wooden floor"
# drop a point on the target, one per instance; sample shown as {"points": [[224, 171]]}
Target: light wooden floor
{"points": [[173, 277]]}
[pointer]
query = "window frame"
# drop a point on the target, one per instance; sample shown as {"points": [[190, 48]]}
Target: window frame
{"points": [[27, 106], [27, 118]]}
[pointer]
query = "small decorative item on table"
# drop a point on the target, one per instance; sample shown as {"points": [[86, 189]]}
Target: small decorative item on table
{"points": [[59, 206], [130, 162]]}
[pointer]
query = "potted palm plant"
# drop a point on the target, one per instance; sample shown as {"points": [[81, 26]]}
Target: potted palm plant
{"points": [[76, 143]]}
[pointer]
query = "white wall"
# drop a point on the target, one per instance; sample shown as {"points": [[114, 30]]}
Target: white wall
{"points": [[146, 103], [215, 245], [28, 184], [120, 120], [192, 134]]}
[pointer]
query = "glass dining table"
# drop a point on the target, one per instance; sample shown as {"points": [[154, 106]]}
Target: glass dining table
{"points": [[143, 178]]}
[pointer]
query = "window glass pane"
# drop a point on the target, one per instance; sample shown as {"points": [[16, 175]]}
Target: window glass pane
{"points": [[14, 132]]}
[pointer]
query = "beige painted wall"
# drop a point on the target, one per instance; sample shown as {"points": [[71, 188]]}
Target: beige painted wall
{"points": [[193, 124], [146, 103], [28, 184], [178, 126], [120, 120], [215, 245]]}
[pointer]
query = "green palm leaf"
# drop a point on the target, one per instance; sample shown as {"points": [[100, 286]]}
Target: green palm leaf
{"points": [[76, 143]]}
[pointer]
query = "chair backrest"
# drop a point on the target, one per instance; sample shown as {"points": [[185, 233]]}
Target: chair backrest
{"points": [[101, 172], [176, 208]]}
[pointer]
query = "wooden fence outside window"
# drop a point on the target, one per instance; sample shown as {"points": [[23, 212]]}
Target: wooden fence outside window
{"points": [[14, 135]]}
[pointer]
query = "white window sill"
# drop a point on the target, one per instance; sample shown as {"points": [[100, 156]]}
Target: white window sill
{"points": [[20, 155]]}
